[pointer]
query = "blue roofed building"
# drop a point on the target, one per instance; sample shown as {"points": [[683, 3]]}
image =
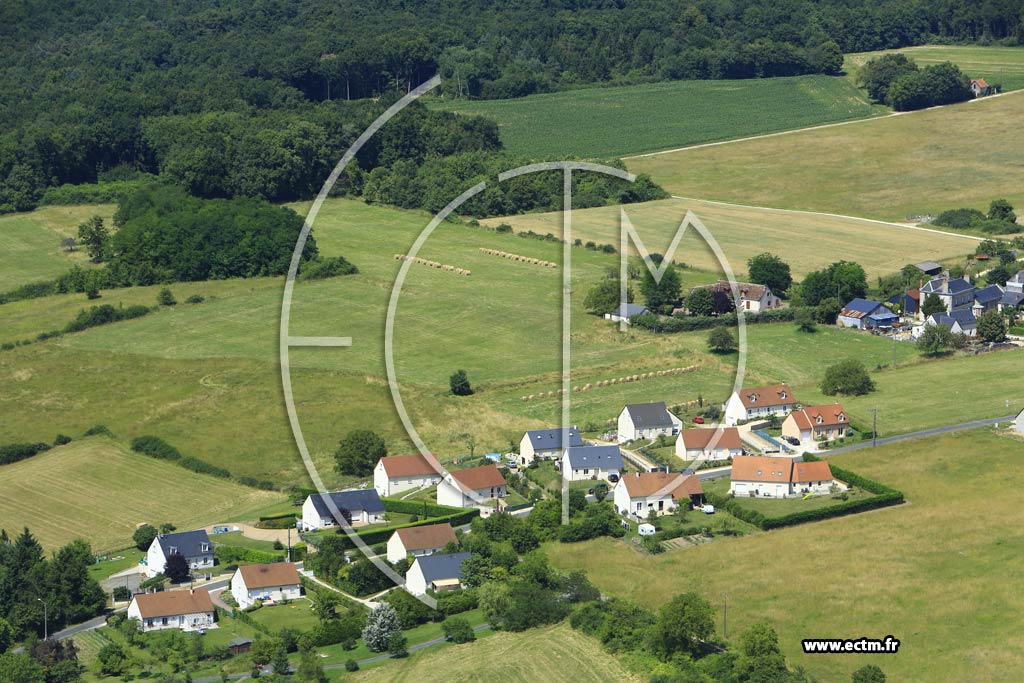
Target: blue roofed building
{"points": [[364, 506], [194, 546], [626, 312], [435, 572], [987, 299], [865, 314], [546, 444], [955, 293], [592, 462]]}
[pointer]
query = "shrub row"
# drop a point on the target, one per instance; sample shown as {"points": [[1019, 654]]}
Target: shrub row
{"points": [[654, 323], [203, 467], [231, 554], [104, 192], [323, 268], [375, 536], [94, 317], [277, 515], [14, 452], [418, 507], [155, 447]]}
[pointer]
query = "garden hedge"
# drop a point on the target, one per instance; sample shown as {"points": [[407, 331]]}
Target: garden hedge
{"points": [[14, 452], [440, 515]]}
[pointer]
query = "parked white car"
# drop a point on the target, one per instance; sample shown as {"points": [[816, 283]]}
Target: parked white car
{"points": [[707, 509]]}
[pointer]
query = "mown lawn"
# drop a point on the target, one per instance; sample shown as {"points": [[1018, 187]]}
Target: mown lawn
{"points": [[884, 572], [779, 507], [888, 168], [605, 122], [297, 614]]}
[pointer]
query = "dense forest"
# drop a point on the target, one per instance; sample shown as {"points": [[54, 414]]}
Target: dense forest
{"points": [[254, 98]]}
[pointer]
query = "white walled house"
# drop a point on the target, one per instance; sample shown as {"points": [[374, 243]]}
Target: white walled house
{"points": [[755, 403], [955, 294], [546, 444], [1018, 423], [185, 610], [396, 473], [753, 298], [625, 313], [647, 421], [591, 462], [194, 546], [419, 540], [471, 488], [364, 505], [709, 443], [757, 475], [265, 582], [435, 573], [637, 493], [817, 423]]}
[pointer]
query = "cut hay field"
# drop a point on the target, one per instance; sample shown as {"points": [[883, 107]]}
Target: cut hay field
{"points": [[806, 241], [998, 65], [30, 248], [886, 572], [97, 489], [606, 122], [911, 164], [556, 653]]}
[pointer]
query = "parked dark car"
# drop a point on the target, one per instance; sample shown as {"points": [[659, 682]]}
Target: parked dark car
{"points": [[792, 440]]}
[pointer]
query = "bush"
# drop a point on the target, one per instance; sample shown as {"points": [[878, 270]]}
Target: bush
{"points": [[155, 447], [351, 665], [61, 439], [121, 593], [458, 630], [103, 315], [195, 299], [322, 268], [203, 467], [97, 430], [20, 451], [166, 298], [848, 377]]}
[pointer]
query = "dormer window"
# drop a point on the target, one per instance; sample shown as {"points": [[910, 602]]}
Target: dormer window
{"points": [[842, 417], [759, 473], [172, 550], [782, 395], [205, 547], [819, 419]]}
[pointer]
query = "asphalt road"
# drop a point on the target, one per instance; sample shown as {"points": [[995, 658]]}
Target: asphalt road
{"points": [[925, 432]]}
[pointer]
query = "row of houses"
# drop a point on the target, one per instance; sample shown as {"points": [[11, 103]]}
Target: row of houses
{"points": [[751, 298]]}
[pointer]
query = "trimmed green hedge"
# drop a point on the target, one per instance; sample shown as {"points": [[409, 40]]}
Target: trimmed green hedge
{"points": [[230, 554], [19, 451], [418, 507], [277, 515], [884, 496], [375, 536]]}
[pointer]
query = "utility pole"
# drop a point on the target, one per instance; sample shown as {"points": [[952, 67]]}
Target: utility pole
{"points": [[46, 620], [725, 616], [874, 428], [289, 558]]}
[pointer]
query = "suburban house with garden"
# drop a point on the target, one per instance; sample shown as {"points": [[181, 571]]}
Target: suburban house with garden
{"points": [[591, 462], [396, 473], [865, 314], [419, 540], [471, 488], [625, 313], [812, 424], [757, 403], [961, 321], [364, 506], [637, 493], [546, 444], [955, 293], [194, 546], [435, 573], [274, 582], [647, 421], [711, 443], [754, 298], [771, 477], [190, 610]]}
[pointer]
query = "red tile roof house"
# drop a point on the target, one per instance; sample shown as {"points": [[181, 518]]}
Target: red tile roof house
{"points": [[636, 494], [758, 475], [419, 540], [817, 423], [980, 87], [711, 443], [754, 298], [754, 403], [476, 487], [396, 473], [189, 610]]}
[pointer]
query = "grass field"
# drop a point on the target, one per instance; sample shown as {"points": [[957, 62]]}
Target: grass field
{"points": [[606, 122], [879, 573], [297, 614], [998, 65], [69, 492], [556, 653], [806, 241], [778, 507], [30, 248], [912, 164]]}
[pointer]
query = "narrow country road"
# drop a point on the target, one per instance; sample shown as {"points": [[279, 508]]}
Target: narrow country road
{"points": [[924, 432]]}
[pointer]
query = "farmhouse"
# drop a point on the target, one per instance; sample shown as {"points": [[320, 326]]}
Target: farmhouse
{"points": [[929, 267], [546, 444], [954, 294], [908, 303], [364, 506], [753, 298], [396, 473], [647, 421], [752, 403], [189, 610], [987, 299], [194, 546], [958, 322], [265, 582], [591, 462], [980, 87], [638, 493], [709, 444], [865, 314], [817, 423], [758, 475], [473, 487], [625, 312], [435, 573], [419, 540]]}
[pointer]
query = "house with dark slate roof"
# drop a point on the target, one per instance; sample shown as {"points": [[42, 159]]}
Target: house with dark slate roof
{"points": [[591, 462], [987, 299], [647, 421], [1011, 300], [955, 294], [957, 322], [435, 573], [546, 444], [865, 314], [625, 312], [194, 546], [364, 505]]}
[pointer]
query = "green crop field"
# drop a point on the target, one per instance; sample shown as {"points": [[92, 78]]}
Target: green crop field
{"points": [[889, 168], [556, 653], [998, 65], [885, 572], [30, 248], [805, 241], [605, 122], [98, 490]]}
